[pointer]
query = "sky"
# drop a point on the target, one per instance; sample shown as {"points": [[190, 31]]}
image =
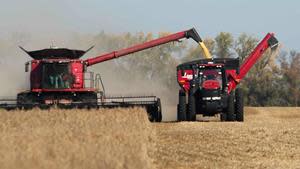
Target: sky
{"points": [[51, 18]]}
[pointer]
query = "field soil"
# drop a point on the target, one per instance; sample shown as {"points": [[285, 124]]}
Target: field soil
{"points": [[124, 138]]}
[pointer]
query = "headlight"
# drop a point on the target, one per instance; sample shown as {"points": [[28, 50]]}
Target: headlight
{"points": [[206, 98], [211, 98], [216, 98]]}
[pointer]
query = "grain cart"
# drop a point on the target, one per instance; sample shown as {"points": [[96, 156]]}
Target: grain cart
{"points": [[209, 86]]}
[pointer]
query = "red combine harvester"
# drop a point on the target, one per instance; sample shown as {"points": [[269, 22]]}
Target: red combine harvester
{"points": [[59, 77], [209, 85]]}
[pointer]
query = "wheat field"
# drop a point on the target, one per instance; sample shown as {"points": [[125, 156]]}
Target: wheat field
{"points": [[124, 138], [71, 139]]}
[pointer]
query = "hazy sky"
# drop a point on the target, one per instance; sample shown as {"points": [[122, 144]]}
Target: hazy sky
{"points": [[54, 17]]}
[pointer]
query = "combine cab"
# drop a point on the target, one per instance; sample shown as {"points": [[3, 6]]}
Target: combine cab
{"points": [[208, 86], [59, 77]]}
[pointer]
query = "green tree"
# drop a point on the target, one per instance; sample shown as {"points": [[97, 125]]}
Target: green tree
{"points": [[244, 45], [290, 71], [261, 84], [224, 44]]}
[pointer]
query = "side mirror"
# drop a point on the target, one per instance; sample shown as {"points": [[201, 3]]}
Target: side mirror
{"points": [[26, 66]]}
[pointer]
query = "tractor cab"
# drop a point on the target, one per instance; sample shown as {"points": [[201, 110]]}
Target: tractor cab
{"points": [[211, 82], [211, 77]]}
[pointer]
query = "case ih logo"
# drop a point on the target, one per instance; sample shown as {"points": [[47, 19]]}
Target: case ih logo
{"points": [[188, 76]]}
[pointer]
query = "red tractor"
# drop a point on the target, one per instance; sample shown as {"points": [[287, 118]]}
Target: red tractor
{"points": [[208, 86], [59, 77]]}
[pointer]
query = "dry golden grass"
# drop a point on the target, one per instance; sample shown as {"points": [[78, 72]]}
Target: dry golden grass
{"points": [[123, 138], [269, 138], [58, 139]]}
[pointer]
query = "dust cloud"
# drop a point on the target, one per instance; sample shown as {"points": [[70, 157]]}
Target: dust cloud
{"points": [[117, 85]]}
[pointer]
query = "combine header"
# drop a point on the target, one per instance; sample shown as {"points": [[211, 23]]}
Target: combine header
{"points": [[209, 85], [59, 77]]}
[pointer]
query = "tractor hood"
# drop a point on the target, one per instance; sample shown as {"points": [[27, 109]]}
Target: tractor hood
{"points": [[59, 53], [211, 85]]}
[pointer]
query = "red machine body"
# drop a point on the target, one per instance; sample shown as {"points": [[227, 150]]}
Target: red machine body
{"points": [[76, 67], [59, 77], [211, 84], [170, 38], [70, 63]]}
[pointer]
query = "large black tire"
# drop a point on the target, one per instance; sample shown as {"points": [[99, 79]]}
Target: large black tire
{"points": [[181, 107], [154, 112], [87, 100], [223, 117], [155, 116], [230, 116], [25, 101], [239, 105], [191, 114], [158, 113]]}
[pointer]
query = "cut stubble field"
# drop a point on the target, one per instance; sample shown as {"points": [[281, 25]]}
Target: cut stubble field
{"points": [[269, 138], [123, 138]]}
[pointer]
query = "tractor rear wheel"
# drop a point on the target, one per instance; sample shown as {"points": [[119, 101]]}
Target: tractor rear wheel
{"points": [[239, 105], [230, 116], [191, 114], [181, 107]]}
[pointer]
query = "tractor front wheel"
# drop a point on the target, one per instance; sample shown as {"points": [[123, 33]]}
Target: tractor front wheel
{"points": [[223, 116], [181, 107], [191, 114]]}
